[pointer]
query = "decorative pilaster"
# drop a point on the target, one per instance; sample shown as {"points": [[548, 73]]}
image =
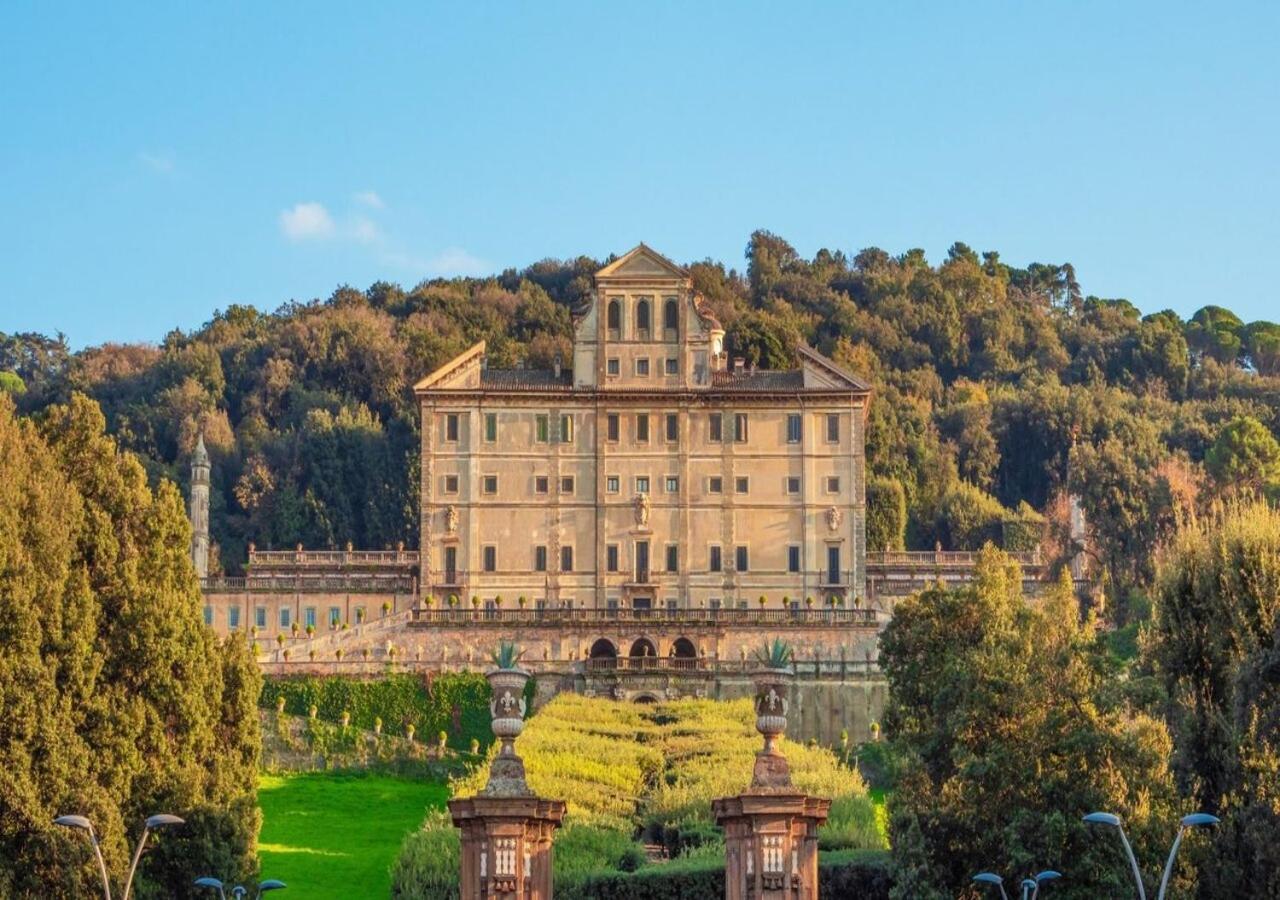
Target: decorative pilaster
{"points": [[771, 829], [506, 830], [200, 508]]}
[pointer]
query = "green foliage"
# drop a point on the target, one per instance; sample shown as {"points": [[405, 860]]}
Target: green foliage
{"points": [[886, 514], [1008, 729], [1262, 343], [456, 703], [117, 701], [1217, 646], [970, 517], [12, 383], [507, 655], [1217, 333], [1245, 455], [1023, 529], [776, 654]]}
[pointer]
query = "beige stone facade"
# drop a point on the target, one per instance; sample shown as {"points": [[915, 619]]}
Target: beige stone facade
{"points": [[650, 471]]}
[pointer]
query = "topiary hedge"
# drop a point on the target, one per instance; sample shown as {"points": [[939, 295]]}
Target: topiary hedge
{"points": [[886, 514], [397, 699]]}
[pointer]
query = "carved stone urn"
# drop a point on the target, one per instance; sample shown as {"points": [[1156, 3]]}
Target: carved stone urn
{"points": [[772, 692], [507, 710]]}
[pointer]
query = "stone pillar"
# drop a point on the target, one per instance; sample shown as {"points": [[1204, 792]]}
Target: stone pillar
{"points": [[771, 829], [506, 830], [200, 508]]}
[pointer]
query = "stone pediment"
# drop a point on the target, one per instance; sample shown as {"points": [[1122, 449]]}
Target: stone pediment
{"points": [[643, 263], [463, 371], [820, 372]]}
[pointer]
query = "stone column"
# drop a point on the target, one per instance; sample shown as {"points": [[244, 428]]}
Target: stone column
{"points": [[506, 830], [771, 829]]}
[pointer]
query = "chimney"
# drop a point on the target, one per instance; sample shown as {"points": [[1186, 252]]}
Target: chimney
{"points": [[739, 364], [557, 367]]}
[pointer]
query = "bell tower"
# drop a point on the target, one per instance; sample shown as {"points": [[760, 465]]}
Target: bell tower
{"points": [[200, 508]]}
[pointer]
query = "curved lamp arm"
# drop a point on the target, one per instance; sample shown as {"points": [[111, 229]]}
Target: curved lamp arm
{"points": [[992, 878], [1195, 820], [85, 825], [1101, 818]]}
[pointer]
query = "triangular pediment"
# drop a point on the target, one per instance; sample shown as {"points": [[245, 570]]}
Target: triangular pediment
{"points": [[463, 371], [820, 372], [642, 262]]}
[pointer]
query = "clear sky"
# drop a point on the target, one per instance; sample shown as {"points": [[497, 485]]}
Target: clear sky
{"points": [[160, 162]]}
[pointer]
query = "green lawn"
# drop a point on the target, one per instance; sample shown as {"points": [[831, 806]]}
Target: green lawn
{"points": [[327, 835]]}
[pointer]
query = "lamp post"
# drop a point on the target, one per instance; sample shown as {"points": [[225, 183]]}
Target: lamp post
{"points": [[1031, 885], [160, 820], [1195, 820], [271, 884]]}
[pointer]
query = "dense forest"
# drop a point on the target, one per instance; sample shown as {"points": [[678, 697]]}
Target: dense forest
{"points": [[998, 390]]}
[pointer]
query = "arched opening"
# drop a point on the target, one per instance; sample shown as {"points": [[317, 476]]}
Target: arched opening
{"points": [[643, 648], [615, 315], [684, 655], [644, 698], [671, 316], [603, 654], [643, 319]]}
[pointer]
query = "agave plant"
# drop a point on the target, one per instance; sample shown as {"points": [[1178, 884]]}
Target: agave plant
{"points": [[506, 656], [775, 655]]}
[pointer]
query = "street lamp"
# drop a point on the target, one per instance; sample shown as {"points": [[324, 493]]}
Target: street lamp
{"points": [[160, 820], [1195, 820], [271, 884], [1028, 884], [1041, 878], [992, 878]]}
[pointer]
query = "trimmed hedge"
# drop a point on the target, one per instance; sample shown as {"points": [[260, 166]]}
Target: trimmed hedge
{"points": [[886, 514], [846, 873], [398, 699]]}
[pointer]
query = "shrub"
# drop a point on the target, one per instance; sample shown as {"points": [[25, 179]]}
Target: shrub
{"points": [[886, 514]]}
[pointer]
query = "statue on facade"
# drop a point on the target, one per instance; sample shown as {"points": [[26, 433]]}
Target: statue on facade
{"points": [[451, 519], [834, 518], [641, 504]]}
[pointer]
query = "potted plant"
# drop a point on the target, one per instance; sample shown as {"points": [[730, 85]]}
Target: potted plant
{"points": [[294, 628], [280, 639], [772, 680], [786, 602], [391, 652], [497, 601], [338, 653], [311, 654], [386, 607], [311, 631], [475, 746], [475, 602], [428, 601], [312, 710], [808, 602], [453, 600], [409, 730], [441, 741], [523, 601], [377, 725], [507, 709], [359, 615], [286, 654], [762, 601], [346, 718], [280, 703]]}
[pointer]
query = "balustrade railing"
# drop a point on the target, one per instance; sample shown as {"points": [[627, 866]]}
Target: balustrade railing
{"points": [[333, 558], [301, 583], [547, 616], [933, 558]]}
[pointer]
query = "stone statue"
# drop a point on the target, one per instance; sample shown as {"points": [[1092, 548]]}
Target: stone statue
{"points": [[641, 504], [834, 517], [451, 519]]}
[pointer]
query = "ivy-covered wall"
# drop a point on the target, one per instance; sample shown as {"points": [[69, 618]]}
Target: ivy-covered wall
{"points": [[455, 703]]}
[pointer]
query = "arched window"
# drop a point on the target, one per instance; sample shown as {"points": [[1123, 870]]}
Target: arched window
{"points": [[615, 315], [643, 320], [671, 316]]}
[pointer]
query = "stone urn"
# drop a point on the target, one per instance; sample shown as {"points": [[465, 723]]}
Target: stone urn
{"points": [[772, 692], [507, 710]]}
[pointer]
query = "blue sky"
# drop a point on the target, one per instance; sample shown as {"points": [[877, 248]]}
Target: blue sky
{"points": [[160, 162]]}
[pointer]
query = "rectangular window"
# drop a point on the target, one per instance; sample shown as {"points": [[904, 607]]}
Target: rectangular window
{"points": [[833, 485], [673, 558], [612, 366], [260, 616], [833, 565], [671, 366], [833, 428], [611, 557], [642, 484], [793, 428], [611, 604], [284, 617], [715, 485], [490, 484], [673, 605], [611, 426], [566, 484], [541, 429], [451, 427], [309, 617], [793, 559], [233, 617], [715, 425], [490, 557], [208, 615], [713, 603], [566, 559], [714, 561], [740, 561], [539, 559], [740, 427], [490, 427], [793, 485], [642, 367], [642, 428], [611, 484], [450, 565], [673, 427], [335, 616], [451, 484], [741, 484], [540, 484], [566, 429], [673, 484]]}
